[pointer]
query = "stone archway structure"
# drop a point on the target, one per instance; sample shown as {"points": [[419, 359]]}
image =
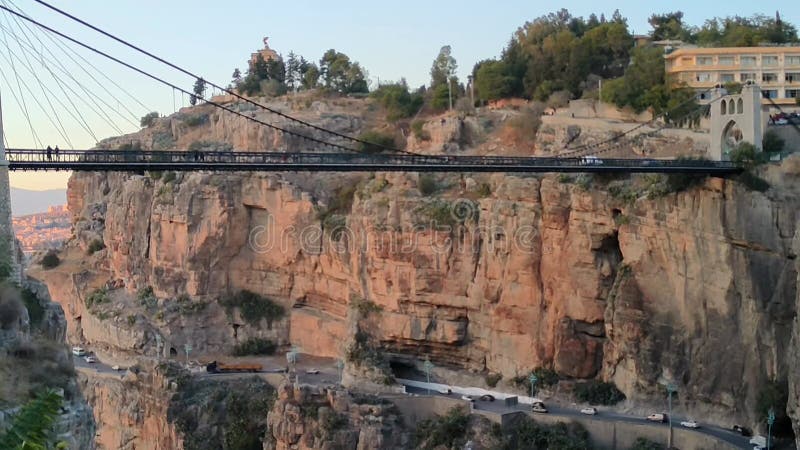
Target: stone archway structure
{"points": [[736, 118]]}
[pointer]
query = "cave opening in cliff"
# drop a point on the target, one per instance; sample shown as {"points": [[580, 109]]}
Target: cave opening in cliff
{"points": [[173, 353]]}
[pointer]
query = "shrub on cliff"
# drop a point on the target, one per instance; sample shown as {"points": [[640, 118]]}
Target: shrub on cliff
{"points": [[447, 431], [375, 142], [646, 444], [525, 433], [253, 307], [149, 119], [254, 346], [35, 309], [50, 260], [97, 297], [95, 246], [598, 393]]}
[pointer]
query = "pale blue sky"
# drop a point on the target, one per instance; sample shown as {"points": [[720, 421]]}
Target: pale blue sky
{"points": [[390, 39]]}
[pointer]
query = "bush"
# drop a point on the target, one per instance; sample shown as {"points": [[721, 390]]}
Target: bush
{"points": [[772, 143], [147, 298], [50, 260], [169, 177], [364, 306], [96, 297], [95, 246], [484, 190], [375, 142], [447, 431], [254, 346], [417, 127], [526, 125], [195, 120], [253, 307], [598, 393], [148, 120], [524, 433], [752, 181], [399, 103], [492, 379], [646, 444], [131, 320], [426, 184]]}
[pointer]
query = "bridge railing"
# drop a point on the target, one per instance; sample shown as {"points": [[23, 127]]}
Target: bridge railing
{"points": [[196, 159]]}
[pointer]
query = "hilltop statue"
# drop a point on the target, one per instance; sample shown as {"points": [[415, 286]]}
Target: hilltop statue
{"points": [[266, 44]]}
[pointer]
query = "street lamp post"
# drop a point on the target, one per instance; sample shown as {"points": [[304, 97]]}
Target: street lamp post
{"points": [[187, 348], [428, 366], [770, 421], [533, 379], [340, 368], [671, 387]]}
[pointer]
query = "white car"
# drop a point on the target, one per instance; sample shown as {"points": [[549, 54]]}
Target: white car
{"points": [[90, 359], [538, 407], [78, 351], [691, 423], [312, 371], [657, 417], [468, 398], [115, 368], [592, 160], [589, 411]]}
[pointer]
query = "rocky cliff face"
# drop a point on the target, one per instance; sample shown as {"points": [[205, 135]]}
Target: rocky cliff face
{"points": [[590, 276], [306, 418]]}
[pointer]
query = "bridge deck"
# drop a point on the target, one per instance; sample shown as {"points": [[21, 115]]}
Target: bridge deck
{"points": [[136, 161]]}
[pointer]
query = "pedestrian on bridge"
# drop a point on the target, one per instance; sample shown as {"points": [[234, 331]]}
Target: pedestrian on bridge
{"points": [[49, 153], [56, 151]]}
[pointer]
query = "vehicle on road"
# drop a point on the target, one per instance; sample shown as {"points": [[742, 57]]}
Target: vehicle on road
{"points": [[90, 359], [538, 407], [312, 371], [468, 398], [758, 441], [78, 351], [589, 411], [744, 431], [216, 367], [446, 391], [486, 398], [116, 367], [691, 423], [657, 417]]}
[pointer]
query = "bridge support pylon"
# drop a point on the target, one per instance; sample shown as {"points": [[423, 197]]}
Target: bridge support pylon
{"points": [[8, 243]]}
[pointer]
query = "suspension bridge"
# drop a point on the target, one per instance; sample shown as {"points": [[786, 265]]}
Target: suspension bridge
{"points": [[138, 161]]}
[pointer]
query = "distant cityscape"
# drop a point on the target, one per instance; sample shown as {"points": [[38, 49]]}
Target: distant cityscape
{"points": [[43, 230]]}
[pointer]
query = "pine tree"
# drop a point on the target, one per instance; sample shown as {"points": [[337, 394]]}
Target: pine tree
{"points": [[198, 92]]}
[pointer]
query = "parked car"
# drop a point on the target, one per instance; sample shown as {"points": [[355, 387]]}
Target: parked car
{"points": [[90, 359], [312, 371], [468, 398], [691, 423], [538, 407], [78, 351], [744, 431], [657, 417], [115, 367], [486, 398], [589, 411]]}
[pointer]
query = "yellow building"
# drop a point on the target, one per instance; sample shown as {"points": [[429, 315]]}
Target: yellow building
{"points": [[775, 69]]}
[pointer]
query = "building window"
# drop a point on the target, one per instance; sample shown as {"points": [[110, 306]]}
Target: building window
{"points": [[726, 61], [704, 77], [705, 61], [747, 77], [793, 77], [686, 61], [792, 93], [768, 77], [769, 93], [793, 60], [727, 78], [769, 60], [748, 61]]}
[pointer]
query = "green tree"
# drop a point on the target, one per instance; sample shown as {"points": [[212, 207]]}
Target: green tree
{"points": [[444, 67], [397, 100], [149, 119], [375, 142], [293, 75], [340, 74], [32, 426], [772, 143], [494, 80], [310, 76], [669, 26], [198, 91]]}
